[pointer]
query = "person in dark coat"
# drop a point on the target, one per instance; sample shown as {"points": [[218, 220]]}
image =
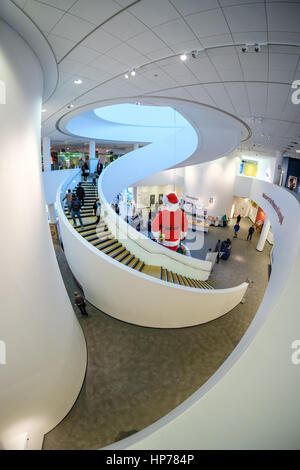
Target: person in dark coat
{"points": [[80, 303], [238, 219], [75, 210], [250, 232], [99, 168], [80, 193]]}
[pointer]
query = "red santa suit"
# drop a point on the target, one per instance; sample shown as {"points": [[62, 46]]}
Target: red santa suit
{"points": [[171, 224]]}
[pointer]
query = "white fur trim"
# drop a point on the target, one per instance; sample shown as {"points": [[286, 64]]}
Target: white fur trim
{"points": [[171, 207], [156, 234]]}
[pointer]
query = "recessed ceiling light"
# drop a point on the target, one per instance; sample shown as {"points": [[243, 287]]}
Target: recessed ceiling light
{"points": [[44, 110], [133, 72], [78, 81], [183, 57]]}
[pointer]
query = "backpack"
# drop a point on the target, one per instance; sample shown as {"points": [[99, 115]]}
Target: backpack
{"points": [[76, 205]]}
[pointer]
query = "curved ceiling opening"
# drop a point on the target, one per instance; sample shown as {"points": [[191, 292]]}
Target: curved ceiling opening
{"points": [[128, 122]]}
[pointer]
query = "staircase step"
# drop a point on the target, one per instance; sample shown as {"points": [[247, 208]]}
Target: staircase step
{"points": [[141, 266], [111, 241], [133, 266], [129, 260], [112, 248], [102, 240], [124, 255], [119, 252]]}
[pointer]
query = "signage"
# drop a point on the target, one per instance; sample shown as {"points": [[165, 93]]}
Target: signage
{"points": [[275, 207]]}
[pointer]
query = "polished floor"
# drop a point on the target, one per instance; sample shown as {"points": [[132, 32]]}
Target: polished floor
{"points": [[136, 375]]}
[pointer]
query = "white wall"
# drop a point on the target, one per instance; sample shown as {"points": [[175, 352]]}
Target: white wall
{"points": [[213, 179], [144, 192], [266, 164], [174, 176], [252, 401], [45, 347], [52, 180]]}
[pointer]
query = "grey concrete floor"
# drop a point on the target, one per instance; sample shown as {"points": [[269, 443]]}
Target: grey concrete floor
{"points": [[136, 375]]}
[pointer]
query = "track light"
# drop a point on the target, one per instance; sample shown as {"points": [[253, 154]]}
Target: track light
{"points": [[195, 54], [257, 47]]}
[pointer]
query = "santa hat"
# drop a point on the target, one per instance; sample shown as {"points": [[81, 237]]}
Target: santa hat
{"points": [[171, 202]]}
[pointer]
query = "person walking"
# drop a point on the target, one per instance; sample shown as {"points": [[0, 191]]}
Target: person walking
{"points": [[238, 219], [149, 225], [99, 168], [85, 171], [97, 210], [224, 219], [218, 249], [80, 303], [80, 193], [236, 229], [75, 210], [250, 232], [68, 198], [209, 255]]}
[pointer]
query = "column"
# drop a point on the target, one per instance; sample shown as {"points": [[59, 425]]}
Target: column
{"points": [[52, 213], [278, 169], [93, 159], [47, 153], [263, 235], [45, 347]]}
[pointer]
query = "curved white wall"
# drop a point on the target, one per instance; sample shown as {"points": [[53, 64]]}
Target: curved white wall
{"points": [[45, 347], [252, 401]]}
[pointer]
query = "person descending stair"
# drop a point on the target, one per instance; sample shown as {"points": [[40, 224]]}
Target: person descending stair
{"points": [[97, 210], [75, 210], [80, 193]]}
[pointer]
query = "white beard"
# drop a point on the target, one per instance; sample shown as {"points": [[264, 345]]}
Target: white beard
{"points": [[171, 207]]}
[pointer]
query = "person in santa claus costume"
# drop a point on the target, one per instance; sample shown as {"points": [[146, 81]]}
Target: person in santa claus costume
{"points": [[171, 224]]}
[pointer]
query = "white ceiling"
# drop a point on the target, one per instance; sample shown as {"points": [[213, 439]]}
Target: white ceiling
{"points": [[99, 40]]}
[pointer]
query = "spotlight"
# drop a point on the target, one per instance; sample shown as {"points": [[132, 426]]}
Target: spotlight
{"points": [[183, 57], [245, 48], [195, 54], [133, 73], [78, 81], [44, 110], [71, 106], [126, 75], [257, 48]]}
